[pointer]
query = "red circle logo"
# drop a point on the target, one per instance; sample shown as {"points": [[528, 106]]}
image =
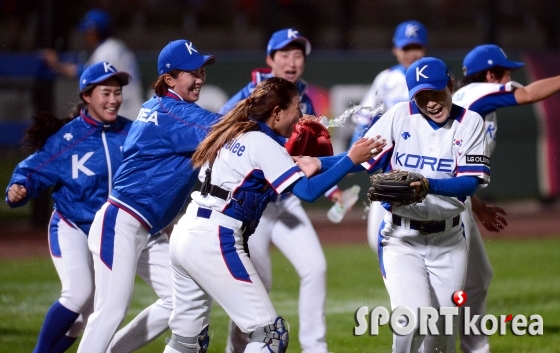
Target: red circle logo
{"points": [[459, 298]]}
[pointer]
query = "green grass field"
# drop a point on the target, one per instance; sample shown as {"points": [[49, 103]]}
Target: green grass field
{"points": [[526, 281]]}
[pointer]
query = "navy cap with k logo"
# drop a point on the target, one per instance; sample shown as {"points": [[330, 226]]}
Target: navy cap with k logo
{"points": [[181, 54], [100, 72], [410, 32], [426, 74], [284, 37]]}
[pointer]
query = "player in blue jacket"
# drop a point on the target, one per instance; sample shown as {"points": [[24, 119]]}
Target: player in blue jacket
{"points": [[244, 167], [149, 190], [285, 55], [78, 156], [486, 87]]}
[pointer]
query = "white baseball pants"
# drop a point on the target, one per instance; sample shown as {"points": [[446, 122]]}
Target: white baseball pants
{"points": [[423, 271], [288, 227], [209, 263], [121, 247]]}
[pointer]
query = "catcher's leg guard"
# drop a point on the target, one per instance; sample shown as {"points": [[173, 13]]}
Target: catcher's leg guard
{"points": [[275, 336], [197, 344]]}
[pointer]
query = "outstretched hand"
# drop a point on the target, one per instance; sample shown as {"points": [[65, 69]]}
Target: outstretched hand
{"points": [[492, 217], [16, 193], [366, 148], [308, 165]]}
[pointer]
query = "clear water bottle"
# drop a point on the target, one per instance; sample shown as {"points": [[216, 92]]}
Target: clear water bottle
{"points": [[348, 199]]}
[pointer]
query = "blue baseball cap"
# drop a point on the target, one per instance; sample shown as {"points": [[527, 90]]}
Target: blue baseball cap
{"points": [[426, 74], [484, 57], [410, 32], [284, 37], [181, 54], [100, 72], [96, 19]]}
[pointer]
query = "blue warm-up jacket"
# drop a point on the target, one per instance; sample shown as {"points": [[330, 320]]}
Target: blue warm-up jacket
{"points": [[79, 160], [156, 176]]}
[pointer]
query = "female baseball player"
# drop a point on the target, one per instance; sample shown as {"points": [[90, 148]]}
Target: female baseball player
{"points": [[244, 166], [410, 42], [149, 190], [78, 156], [284, 222], [422, 248], [486, 87]]}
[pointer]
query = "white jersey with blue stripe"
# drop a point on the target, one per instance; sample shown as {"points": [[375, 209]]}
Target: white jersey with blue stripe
{"points": [[253, 162], [456, 147], [484, 98]]}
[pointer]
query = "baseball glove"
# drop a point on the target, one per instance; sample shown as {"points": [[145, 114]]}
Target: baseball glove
{"points": [[310, 138], [394, 187]]}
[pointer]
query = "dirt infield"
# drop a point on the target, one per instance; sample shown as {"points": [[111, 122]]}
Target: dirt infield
{"points": [[525, 220]]}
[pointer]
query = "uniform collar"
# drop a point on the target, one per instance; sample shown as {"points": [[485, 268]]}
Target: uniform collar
{"points": [[270, 133], [91, 121], [172, 94], [400, 68], [88, 119]]}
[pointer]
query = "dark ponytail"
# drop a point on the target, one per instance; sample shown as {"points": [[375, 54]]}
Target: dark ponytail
{"points": [[45, 125]]}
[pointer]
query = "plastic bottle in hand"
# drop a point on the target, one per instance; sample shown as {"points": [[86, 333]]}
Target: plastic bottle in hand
{"points": [[348, 199]]}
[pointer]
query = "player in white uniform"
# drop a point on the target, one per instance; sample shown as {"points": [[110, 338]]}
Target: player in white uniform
{"points": [[422, 248], [96, 28], [410, 42], [486, 87], [243, 166], [285, 223]]}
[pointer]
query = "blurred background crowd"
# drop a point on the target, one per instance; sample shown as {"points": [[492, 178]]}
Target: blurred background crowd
{"points": [[351, 42], [247, 24]]}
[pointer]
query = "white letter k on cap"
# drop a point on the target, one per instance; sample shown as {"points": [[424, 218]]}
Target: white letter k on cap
{"points": [[411, 31], [190, 48], [292, 33], [419, 73], [108, 67]]}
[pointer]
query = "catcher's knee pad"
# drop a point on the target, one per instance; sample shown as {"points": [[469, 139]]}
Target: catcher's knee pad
{"points": [[275, 336], [198, 344]]}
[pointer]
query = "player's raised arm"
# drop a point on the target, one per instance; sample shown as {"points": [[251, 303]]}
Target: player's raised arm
{"points": [[538, 90]]}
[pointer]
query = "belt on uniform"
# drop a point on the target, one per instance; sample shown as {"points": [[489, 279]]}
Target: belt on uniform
{"points": [[218, 192], [426, 227]]}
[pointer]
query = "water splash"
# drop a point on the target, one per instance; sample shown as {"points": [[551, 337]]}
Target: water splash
{"points": [[348, 113]]}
